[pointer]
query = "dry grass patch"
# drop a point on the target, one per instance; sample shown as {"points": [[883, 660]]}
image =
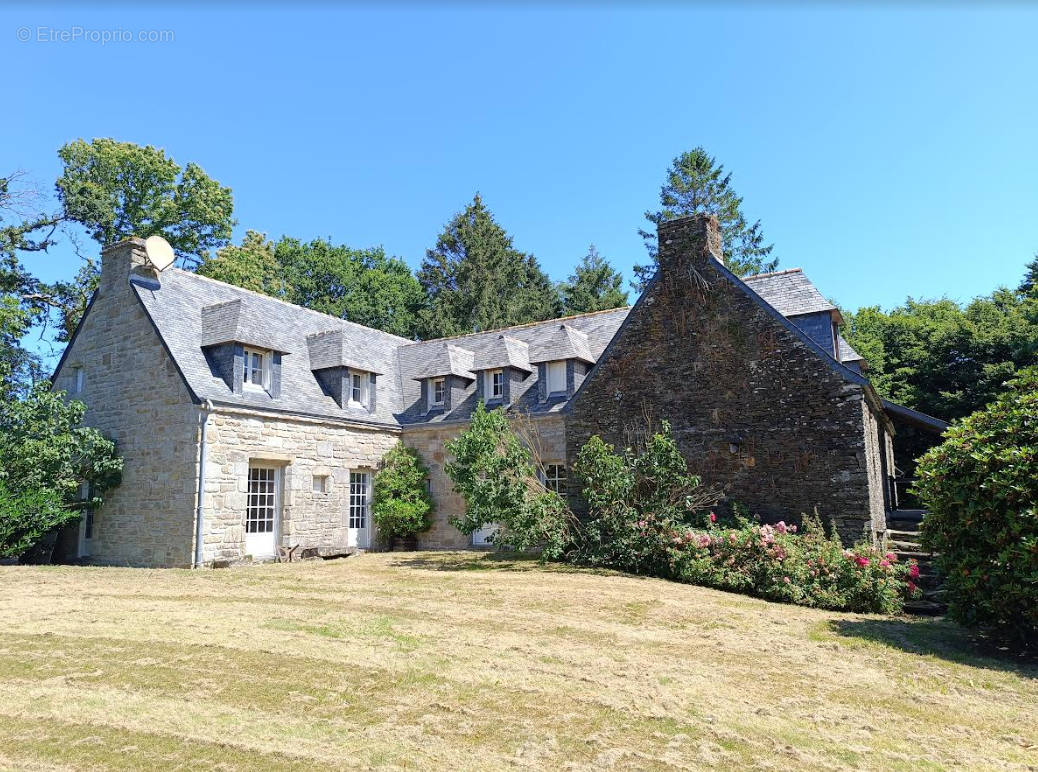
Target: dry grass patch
{"points": [[471, 662]]}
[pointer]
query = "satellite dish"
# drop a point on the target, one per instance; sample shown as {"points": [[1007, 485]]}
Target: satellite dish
{"points": [[159, 252]]}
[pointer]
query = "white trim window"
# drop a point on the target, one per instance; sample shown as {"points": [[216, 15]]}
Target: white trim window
{"points": [[555, 478], [359, 515], [261, 510], [495, 384], [86, 524], [556, 372], [76, 386], [322, 483], [437, 392], [359, 389], [257, 369]]}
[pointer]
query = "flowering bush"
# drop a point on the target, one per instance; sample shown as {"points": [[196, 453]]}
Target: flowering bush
{"points": [[807, 568], [648, 515]]}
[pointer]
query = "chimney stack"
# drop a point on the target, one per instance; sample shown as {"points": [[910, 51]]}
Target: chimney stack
{"points": [[119, 260], [691, 240]]}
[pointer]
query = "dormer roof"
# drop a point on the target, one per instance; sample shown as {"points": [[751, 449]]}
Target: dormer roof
{"points": [[789, 292], [446, 359], [503, 351], [238, 321], [337, 348], [564, 342]]}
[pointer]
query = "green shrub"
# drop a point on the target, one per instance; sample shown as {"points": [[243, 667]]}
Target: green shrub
{"points": [[26, 515], [47, 454], [401, 505], [648, 515], [494, 472], [980, 488]]}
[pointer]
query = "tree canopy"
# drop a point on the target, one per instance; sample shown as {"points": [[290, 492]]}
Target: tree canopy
{"points": [[697, 184], [361, 285], [593, 286], [475, 279]]}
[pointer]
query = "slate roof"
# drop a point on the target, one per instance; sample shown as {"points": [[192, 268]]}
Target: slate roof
{"points": [[566, 342], [191, 311], [847, 352], [444, 359], [789, 292], [504, 351], [174, 304]]}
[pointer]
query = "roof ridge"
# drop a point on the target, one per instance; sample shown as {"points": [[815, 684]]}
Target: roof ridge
{"points": [[772, 273], [286, 303], [524, 324]]}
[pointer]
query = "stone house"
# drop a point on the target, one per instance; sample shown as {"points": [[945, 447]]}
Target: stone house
{"points": [[247, 423]]}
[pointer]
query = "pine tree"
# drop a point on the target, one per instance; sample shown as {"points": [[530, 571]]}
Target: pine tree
{"points": [[474, 279], [593, 286], [697, 184], [1029, 286]]}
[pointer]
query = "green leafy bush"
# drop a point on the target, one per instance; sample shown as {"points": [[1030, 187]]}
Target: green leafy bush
{"points": [[980, 488], [401, 505], [47, 454], [494, 472], [648, 515], [27, 515]]}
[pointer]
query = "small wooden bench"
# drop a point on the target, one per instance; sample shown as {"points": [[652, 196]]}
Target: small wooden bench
{"points": [[285, 554]]}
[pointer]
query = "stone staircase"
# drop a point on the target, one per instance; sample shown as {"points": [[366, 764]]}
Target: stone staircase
{"points": [[903, 540]]}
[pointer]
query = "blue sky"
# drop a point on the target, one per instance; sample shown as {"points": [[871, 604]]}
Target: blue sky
{"points": [[888, 151]]}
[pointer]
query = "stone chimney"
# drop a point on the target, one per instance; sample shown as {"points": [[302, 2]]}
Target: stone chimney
{"points": [[689, 241], [119, 260]]}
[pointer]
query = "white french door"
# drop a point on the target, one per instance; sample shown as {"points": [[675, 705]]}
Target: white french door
{"points": [[481, 537], [261, 511], [358, 532]]}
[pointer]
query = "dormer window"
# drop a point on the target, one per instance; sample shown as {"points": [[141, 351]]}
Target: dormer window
{"points": [[557, 377], [495, 384], [437, 392], [257, 369], [359, 389]]}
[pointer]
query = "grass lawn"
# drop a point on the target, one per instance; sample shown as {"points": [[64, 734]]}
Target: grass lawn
{"points": [[462, 661]]}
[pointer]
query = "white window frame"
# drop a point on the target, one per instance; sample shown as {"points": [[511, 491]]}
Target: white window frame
{"points": [[555, 367], [265, 359], [554, 477], [433, 384], [364, 377], [86, 524], [489, 384], [360, 529], [78, 379]]}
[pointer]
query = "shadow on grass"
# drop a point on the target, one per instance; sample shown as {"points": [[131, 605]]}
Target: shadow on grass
{"points": [[471, 561], [940, 638]]}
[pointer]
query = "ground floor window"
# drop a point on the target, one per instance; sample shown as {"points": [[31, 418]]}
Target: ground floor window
{"points": [[555, 478], [260, 510], [359, 500]]}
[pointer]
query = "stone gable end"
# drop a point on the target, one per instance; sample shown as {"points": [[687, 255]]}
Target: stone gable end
{"points": [[753, 406]]}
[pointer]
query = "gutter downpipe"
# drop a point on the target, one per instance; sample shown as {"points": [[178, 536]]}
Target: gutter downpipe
{"points": [[207, 409]]}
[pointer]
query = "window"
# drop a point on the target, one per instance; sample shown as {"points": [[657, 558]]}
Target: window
{"points": [[555, 478], [260, 506], [88, 512], [495, 384], [256, 369], [358, 389], [437, 392], [322, 483], [359, 500], [556, 377], [76, 384]]}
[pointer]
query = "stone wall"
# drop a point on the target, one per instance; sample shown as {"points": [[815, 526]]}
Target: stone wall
{"points": [[301, 448], [135, 395], [754, 408], [549, 441]]}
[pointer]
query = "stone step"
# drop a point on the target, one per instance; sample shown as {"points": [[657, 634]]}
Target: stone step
{"points": [[914, 554], [899, 546], [923, 607], [894, 533]]}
